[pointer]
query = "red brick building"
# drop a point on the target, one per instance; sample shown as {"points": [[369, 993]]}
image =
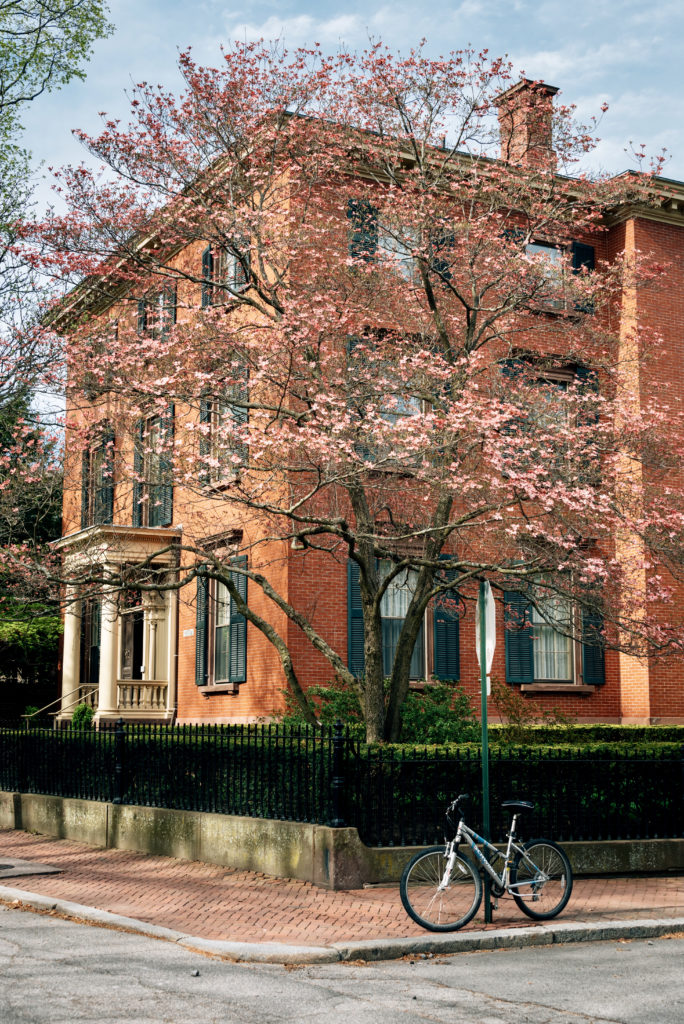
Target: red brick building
{"points": [[188, 655]]}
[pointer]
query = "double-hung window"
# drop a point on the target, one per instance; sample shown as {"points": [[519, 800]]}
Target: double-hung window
{"points": [[396, 245], [441, 658], [550, 643], [553, 287], [153, 470], [223, 420], [221, 633], [97, 480], [393, 608], [372, 238], [157, 312], [225, 272]]}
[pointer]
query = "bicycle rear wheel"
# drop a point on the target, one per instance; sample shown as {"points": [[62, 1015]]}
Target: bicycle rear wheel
{"points": [[543, 877], [431, 906]]}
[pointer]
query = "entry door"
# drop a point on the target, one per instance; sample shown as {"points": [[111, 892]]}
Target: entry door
{"points": [[132, 624]]}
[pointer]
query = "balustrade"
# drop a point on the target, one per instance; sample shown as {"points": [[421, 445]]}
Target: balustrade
{"points": [[142, 695]]}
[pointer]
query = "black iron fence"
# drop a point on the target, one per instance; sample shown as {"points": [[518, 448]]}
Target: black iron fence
{"points": [[394, 796]]}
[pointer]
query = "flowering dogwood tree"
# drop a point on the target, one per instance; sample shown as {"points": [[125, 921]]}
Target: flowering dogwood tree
{"points": [[382, 341]]}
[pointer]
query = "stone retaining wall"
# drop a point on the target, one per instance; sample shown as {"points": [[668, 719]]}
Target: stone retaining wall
{"points": [[334, 858]]}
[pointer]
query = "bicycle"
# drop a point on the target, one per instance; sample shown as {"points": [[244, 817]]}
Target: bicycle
{"points": [[442, 890]]}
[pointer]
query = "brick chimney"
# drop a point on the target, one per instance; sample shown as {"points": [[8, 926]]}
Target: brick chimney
{"points": [[525, 116]]}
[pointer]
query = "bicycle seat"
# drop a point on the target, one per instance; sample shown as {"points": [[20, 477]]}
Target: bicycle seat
{"points": [[518, 805]]}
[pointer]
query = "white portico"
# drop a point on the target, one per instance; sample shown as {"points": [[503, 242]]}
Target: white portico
{"points": [[119, 648]]}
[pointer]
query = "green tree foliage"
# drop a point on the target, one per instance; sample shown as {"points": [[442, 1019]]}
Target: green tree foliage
{"points": [[44, 44]]}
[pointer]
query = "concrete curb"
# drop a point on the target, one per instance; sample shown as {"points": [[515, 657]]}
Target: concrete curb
{"points": [[365, 949]]}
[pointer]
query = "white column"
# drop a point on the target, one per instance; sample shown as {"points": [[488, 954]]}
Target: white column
{"points": [[71, 658], [171, 640], [109, 635]]}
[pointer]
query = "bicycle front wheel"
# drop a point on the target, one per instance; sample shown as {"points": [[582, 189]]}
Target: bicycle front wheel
{"points": [[541, 879], [434, 906]]}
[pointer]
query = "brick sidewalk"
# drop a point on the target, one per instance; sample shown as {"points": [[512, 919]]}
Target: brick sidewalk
{"points": [[243, 906]]}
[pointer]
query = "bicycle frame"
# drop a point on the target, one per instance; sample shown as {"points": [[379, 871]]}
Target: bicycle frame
{"points": [[473, 839]]}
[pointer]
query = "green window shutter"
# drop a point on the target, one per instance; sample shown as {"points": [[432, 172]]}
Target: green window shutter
{"points": [[238, 628], [106, 502], [201, 632], [207, 277], [142, 316], [240, 414], [168, 310], [593, 653], [85, 488], [589, 384], [243, 265], [363, 241], [519, 646], [166, 497], [355, 635], [137, 472], [447, 631], [204, 438]]}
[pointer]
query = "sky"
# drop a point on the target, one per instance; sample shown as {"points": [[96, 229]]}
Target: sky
{"points": [[626, 53]]}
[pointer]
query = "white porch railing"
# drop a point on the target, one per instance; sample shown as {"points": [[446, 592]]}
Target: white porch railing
{"points": [[142, 695], [88, 695]]}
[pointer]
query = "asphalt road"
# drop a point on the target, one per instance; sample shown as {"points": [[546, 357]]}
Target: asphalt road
{"points": [[56, 971]]}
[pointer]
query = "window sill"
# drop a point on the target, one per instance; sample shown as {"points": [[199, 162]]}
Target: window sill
{"points": [[208, 691], [556, 688]]}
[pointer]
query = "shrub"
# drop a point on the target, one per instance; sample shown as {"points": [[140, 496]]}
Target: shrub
{"points": [[519, 715], [331, 702], [442, 713], [82, 717]]}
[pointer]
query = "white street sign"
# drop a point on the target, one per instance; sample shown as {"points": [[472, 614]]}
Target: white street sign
{"points": [[490, 631]]}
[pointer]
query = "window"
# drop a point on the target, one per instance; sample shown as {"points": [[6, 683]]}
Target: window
{"points": [[541, 649], [363, 238], [397, 245], [549, 258], [395, 405], [371, 236], [393, 607], [157, 312], [153, 477], [221, 633], [225, 272], [551, 401], [554, 288], [552, 646], [223, 448], [97, 480]]}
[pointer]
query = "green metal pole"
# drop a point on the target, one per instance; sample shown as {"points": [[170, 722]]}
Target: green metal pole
{"points": [[485, 746]]}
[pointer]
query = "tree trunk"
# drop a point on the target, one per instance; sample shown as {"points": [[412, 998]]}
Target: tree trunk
{"points": [[374, 683]]}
